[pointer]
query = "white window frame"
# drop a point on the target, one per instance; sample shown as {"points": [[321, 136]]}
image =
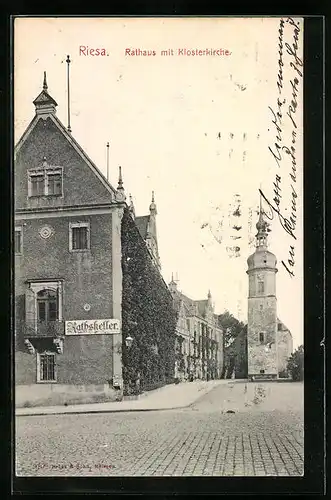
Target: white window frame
{"points": [[20, 230], [56, 286], [74, 225], [53, 171], [45, 172], [39, 380], [35, 173]]}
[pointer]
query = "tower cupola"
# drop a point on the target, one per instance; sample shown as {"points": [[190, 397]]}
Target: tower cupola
{"points": [[44, 103]]}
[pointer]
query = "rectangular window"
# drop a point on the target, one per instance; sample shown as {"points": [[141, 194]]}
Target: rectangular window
{"points": [[41, 310], [46, 367], [45, 182], [37, 184], [52, 310], [54, 183], [261, 337], [79, 236], [18, 240], [261, 371], [260, 287]]}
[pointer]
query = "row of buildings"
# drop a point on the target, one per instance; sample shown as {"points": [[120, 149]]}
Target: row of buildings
{"points": [[92, 310]]}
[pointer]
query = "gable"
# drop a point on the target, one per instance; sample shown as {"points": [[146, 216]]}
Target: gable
{"points": [[83, 183]]}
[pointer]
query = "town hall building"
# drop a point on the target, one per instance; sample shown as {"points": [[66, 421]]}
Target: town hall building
{"points": [[74, 233]]}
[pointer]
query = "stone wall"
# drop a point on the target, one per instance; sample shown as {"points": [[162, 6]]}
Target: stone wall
{"points": [[262, 317]]}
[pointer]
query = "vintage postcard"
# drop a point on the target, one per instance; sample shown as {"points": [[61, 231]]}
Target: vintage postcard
{"points": [[158, 172]]}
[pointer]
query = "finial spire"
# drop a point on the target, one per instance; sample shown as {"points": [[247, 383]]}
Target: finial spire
{"points": [[45, 86], [120, 194], [152, 206], [120, 179], [44, 103]]}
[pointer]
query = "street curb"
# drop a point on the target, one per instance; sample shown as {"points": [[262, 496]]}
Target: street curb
{"points": [[89, 412]]}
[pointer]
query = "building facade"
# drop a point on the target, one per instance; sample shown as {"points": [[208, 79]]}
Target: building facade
{"points": [[68, 261], [199, 340], [267, 350]]}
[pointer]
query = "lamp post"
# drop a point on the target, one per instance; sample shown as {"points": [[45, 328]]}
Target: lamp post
{"points": [[130, 369], [128, 342]]}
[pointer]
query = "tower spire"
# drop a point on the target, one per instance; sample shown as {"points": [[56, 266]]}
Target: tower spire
{"points": [[262, 227]]}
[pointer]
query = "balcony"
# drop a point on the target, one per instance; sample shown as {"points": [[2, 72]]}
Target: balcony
{"points": [[42, 329]]}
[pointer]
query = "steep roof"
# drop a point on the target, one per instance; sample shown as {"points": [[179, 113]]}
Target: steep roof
{"points": [[142, 224], [202, 304], [282, 326], [43, 98]]}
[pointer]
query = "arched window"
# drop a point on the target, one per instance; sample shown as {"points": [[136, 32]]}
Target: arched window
{"points": [[47, 305]]}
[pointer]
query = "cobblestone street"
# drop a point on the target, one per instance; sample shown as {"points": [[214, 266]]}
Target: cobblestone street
{"points": [[202, 440]]}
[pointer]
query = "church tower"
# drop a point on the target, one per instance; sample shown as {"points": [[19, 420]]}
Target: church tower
{"points": [[262, 307]]}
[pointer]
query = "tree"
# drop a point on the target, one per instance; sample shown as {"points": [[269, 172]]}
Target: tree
{"points": [[295, 364], [231, 327], [235, 348]]}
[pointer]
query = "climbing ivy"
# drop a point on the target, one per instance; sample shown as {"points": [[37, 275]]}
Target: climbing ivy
{"points": [[148, 315]]}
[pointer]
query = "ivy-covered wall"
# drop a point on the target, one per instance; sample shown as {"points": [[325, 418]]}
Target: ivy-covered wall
{"points": [[148, 316]]}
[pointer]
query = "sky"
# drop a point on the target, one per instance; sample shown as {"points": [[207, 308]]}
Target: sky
{"points": [[198, 130]]}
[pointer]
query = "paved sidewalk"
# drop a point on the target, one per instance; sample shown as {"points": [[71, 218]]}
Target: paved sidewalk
{"points": [[166, 398]]}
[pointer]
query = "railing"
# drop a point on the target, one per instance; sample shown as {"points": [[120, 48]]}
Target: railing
{"points": [[43, 329]]}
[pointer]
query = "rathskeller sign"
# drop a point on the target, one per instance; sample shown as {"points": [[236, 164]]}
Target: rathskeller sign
{"points": [[92, 327]]}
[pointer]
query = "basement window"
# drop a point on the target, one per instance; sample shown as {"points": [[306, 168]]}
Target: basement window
{"points": [[46, 367]]}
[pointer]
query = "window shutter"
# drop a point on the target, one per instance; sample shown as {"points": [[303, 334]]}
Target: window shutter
{"points": [[30, 307]]}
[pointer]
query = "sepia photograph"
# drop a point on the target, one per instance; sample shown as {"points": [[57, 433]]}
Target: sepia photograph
{"points": [[158, 231]]}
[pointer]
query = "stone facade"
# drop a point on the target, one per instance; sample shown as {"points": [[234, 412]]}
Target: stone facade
{"points": [[285, 347], [199, 346]]}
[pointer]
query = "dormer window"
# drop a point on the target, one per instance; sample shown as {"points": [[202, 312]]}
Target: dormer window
{"points": [[45, 181]]}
